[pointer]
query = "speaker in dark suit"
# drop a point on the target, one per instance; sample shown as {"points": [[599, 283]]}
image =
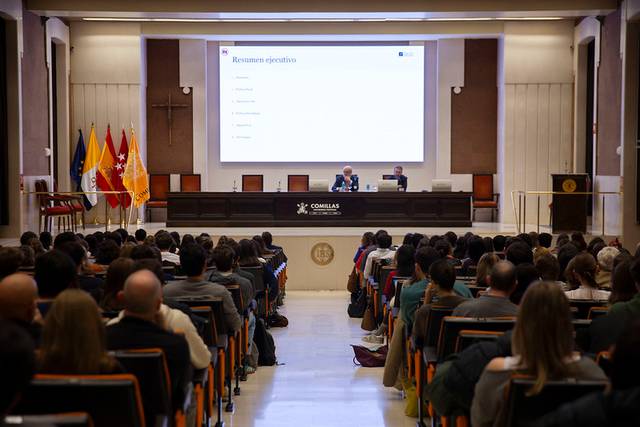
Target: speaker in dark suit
{"points": [[347, 178]]}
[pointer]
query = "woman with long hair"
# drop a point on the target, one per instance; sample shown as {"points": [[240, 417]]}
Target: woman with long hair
{"points": [[484, 267], [73, 337], [542, 346], [117, 273], [581, 275]]}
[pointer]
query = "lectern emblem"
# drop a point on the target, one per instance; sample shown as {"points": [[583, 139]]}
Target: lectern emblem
{"points": [[569, 185], [322, 253], [302, 209]]}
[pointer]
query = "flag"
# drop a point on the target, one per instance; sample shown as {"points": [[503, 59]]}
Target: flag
{"points": [[105, 169], [90, 169], [118, 172], [135, 175], [76, 167]]}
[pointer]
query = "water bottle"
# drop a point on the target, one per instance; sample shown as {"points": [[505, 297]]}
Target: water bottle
{"points": [[368, 187], [343, 187], [279, 189]]}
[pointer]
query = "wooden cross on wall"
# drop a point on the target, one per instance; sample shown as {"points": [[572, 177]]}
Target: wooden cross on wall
{"points": [[169, 106]]}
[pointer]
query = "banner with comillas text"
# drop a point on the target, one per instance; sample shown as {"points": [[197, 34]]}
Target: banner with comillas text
{"points": [[135, 174]]}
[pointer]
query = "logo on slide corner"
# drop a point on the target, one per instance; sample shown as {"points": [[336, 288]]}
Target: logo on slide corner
{"points": [[224, 51], [302, 208]]}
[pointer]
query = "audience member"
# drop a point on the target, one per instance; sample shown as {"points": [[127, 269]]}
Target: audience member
{"points": [[623, 286], [17, 365], [73, 338], [26, 237], [495, 302], [140, 235], [18, 296], [383, 251], [548, 269], [248, 257], [545, 239], [542, 346], [117, 274], [565, 254], [577, 238], [145, 252], [605, 258], [107, 251], [55, 271], [46, 239], [10, 261], [580, 274], [65, 236], [499, 244], [86, 282], [484, 267], [519, 252], [224, 257], [526, 274], [446, 251], [164, 241], [365, 241]]}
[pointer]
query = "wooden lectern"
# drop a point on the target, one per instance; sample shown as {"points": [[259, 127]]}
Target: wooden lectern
{"points": [[570, 210]]}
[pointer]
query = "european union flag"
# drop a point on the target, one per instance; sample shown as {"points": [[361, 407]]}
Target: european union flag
{"points": [[77, 165]]}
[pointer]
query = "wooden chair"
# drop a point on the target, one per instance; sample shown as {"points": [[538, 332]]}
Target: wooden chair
{"points": [[74, 419], [483, 195], [253, 183], [190, 182], [467, 338], [51, 206], [159, 186], [524, 409], [297, 183], [110, 400], [584, 307], [595, 312], [76, 204], [452, 325]]}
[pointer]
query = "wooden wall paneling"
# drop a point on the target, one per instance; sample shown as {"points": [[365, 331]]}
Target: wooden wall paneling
{"points": [[530, 167], [542, 178]]}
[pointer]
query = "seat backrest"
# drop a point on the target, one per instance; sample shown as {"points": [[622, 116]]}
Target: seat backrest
{"points": [[258, 277], [150, 367], [207, 323], [434, 323], [111, 400], [73, 419], [595, 312], [397, 284], [159, 186], [523, 410], [452, 325], [384, 274], [467, 337], [482, 187], [236, 294], [584, 306], [190, 182], [214, 303], [252, 183], [298, 183]]}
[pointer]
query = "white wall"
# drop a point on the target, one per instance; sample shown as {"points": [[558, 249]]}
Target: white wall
{"points": [[537, 113]]}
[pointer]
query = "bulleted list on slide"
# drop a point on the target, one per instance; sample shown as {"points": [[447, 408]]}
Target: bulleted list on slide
{"points": [[321, 103]]}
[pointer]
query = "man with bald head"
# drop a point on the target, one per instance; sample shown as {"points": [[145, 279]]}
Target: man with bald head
{"points": [[347, 181], [140, 328], [495, 302], [18, 303]]}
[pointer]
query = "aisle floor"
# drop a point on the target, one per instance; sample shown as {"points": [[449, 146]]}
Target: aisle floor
{"points": [[317, 383]]}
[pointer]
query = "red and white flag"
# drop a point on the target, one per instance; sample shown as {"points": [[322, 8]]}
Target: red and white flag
{"points": [[118, 171]]}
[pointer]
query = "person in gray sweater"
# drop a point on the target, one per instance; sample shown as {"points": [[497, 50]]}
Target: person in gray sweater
{"points": [[193, 262], [495, 302], [542, 345], [223, 256]]}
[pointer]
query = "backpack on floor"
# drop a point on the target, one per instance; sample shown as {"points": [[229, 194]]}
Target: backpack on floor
{"points": [[266, 345], [369, 358], [357, 308]]}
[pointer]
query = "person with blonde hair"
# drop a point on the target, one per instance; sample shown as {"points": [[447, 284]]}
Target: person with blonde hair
{"points": [[484, 267], [542, 347], [581, 275], [605, 259], [73, 337]]}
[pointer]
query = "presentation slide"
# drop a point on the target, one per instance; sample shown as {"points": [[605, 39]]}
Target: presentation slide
{"points": [[321, 104]]}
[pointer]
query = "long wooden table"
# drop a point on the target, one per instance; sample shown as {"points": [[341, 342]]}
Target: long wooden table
{"points": [[361, 209]]}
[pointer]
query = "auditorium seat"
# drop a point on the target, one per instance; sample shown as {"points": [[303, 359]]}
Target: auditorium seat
{"points": [[297, 183], [190, 182], [159, 186], [483, 195], [111, 400], [253, 183], [73, 419], [523, 409]]}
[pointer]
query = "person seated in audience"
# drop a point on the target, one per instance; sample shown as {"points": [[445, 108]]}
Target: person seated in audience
{"points": [[631, 306], [140, 235], [488, 244], [484, 267], [108, 250], [499, 245], [262, 247], [176, 241], [73, 338], [28, 256], [18, 297], [224, 257], [146, 252], [55, 271], [236, 263], [195, 285], [519, 252], [140, 327], [165, 242], [402, 179], [544, 240], [446, 252], [439, 292], [412, 292], [384, 251], [475, 249], [526, 274], [365, 242], [596, 245], [10, 261], [618, 405], [577, 238], [37, 247], [347, 181], [117, 273], [249, 257], [267, 237], [605, 259], [542, 347], [495, 301], [187, 239], [548, 269], [623, 287], [46, 239], [85, 281], [404, 267], [65, 236], [17, 365], [581, 275]]}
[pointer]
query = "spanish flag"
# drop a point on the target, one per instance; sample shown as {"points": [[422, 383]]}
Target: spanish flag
{"points": [[105, 169], [90, 169], [135, 174]]}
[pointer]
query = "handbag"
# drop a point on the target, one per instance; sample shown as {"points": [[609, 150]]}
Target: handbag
{"points": [[368, 321], [369, 358], [352, 281]]}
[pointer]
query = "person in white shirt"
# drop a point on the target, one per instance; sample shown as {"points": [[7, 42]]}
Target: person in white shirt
{"points": [[164, 241], [384, 251], [581, 274]]}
